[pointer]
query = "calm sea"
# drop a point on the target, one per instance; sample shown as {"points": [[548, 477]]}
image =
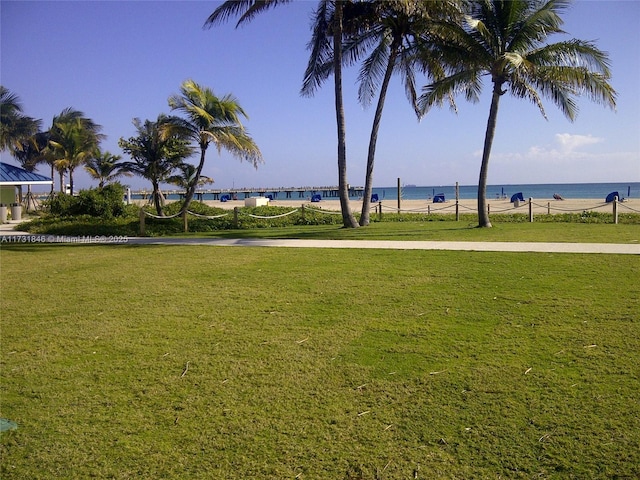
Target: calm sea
{"points": [[539, 191], [470, 192]]}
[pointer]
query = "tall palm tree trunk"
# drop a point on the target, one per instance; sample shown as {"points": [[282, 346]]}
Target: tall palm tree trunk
{"points": [[343, 187], [157, 198], [373, 140], [483, 214]]}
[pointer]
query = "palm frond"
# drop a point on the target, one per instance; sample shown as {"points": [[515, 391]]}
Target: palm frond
{"points": [[576, 53], [467, 82], [407, 73], [532, 27], [245, 9], [321, 50], [373, 69], [237, 141], [521, 89]]}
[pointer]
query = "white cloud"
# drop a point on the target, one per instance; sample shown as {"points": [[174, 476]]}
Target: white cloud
{"points": [[564, 160], [569, 143]]}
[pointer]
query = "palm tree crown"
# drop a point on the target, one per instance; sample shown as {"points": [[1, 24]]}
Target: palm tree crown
{"points": [[73, 140], [105, 167], [155, 155], [209, 119], [15, 127]]}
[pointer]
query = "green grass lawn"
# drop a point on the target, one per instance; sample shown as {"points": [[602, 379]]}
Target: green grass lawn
{"points": [[450, 231], [182, 362]]}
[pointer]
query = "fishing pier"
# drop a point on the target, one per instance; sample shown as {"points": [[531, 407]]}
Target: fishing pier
{"points": [[236, 193]]}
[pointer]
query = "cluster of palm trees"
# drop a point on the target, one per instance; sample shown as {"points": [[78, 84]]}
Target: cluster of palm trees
{"points": [[71, 141], [158, 151], [454, 44]]}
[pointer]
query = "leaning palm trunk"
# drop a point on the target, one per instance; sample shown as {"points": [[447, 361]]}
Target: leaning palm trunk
{"points": [[368, 185], [343, 187], [191, 190], [483, 214]]}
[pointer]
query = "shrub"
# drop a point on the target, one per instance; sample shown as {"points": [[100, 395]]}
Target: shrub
{"points": [[62, 204], [103, 202]]}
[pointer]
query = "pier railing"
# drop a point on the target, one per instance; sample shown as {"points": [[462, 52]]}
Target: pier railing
{"points": [[247, 192]]}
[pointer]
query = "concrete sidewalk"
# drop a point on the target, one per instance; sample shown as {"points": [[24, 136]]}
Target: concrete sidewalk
{"points": [[610, 248], [6, 230]]}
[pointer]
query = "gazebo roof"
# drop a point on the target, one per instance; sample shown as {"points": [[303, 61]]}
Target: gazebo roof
{"points": [[12, 175]]}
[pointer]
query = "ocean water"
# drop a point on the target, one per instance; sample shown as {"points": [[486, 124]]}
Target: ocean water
{"points": [[469, 192], [535, 191]]}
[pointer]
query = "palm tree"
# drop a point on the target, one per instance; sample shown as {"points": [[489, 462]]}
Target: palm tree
{"points": [[105, 167], [29, 153], [210, 120], [73, 139], [390, 30], [32, 151], [186, 177], [14, 126], [155, 155], [506, 40], [324, 33]]}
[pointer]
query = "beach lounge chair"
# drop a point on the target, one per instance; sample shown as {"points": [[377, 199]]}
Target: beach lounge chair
{"points": [[225, 198], [316, 198], [611, 196], [517, 196], [557, 196], [374, 197], [439, 198]]}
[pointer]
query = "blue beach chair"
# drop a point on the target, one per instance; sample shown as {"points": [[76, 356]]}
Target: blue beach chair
{"points": [[611, 196]]}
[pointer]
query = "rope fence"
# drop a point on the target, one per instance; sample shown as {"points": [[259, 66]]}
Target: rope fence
{"points": [[236, 214], [616, 206]]}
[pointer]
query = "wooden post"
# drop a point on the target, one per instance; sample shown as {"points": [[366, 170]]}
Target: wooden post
{"points": [[379, 210], [185, 221], [428, 209], [548, 208], [302, 212], [235, 217], [530, 210], [457, 202], [399, 194], [142, 227], [488, 208], [615, 210]]}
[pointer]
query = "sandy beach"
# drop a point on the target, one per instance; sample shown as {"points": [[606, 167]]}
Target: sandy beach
{"points": [[539, 206]]}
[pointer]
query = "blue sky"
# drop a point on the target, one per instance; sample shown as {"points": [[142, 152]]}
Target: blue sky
{"points": [[116, 60]]}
